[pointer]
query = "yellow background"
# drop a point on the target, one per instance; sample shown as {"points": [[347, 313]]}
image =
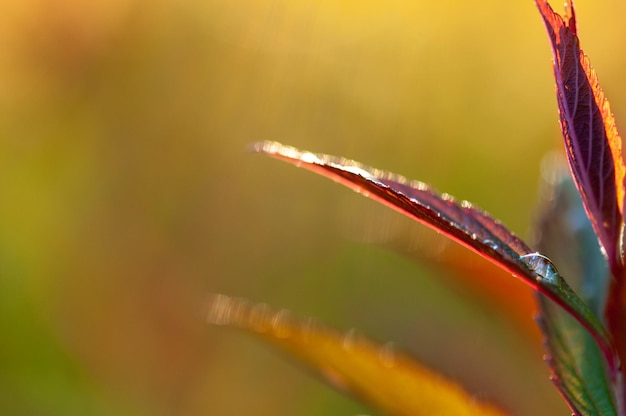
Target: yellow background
{"points": [[126, 193]]}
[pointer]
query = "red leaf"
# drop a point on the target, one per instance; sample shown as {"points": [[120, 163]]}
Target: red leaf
{"points": [[593, 145], [461, 222]]}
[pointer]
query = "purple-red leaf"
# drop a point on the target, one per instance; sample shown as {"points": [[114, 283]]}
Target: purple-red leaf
{"points": [[593, 145], [461, 222]]}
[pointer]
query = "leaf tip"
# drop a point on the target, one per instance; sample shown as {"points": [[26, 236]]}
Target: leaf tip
{"points": [[569, 16]]}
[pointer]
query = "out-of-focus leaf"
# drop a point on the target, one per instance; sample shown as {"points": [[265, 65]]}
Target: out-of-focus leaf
{"points": [[386, 379], [573, 356], [561, 217], [461, 222], [593, 145], [462, 269]]}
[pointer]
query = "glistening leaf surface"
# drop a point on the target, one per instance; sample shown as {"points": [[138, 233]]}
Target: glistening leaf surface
{"points": [[461, 222], [593, 145], [386, 379], [573, 357]]}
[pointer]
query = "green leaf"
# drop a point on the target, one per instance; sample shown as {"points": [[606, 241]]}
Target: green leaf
{"points": [[574, 358], [386, 379], [576, 362]]}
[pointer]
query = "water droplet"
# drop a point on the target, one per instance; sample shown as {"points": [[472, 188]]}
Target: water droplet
{"points": [[542, 266], [387, 355], [492, 244]]}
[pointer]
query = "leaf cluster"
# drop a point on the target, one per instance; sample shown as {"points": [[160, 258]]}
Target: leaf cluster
{"points": [[579, 226]]}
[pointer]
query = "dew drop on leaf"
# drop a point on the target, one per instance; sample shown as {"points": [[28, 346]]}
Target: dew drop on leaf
{"points": [[492, 244], [542, 266]]}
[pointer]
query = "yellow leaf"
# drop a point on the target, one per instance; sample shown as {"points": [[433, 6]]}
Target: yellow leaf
{"points": [[382, 377]]}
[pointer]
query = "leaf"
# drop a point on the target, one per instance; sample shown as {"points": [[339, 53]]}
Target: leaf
{"points": [[461, 222], [562, 218], [460, 268], [576, 363], [391, 381], [593, 145], [574, 358]]}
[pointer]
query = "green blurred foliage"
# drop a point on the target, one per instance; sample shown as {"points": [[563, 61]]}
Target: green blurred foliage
{"points": [[127, 195]]}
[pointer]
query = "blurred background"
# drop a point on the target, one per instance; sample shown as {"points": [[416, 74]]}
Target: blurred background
{"points": [[126, 193]]}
